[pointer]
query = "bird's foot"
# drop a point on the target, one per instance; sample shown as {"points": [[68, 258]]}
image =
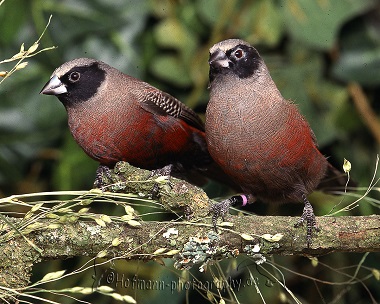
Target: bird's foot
{"points": [[103, 177], [164, 172], [308, 216], [221, 209]]}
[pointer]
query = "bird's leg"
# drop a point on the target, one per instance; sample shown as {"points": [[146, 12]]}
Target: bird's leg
{"points": [[103, 177], [221, 209], [308, 216]]}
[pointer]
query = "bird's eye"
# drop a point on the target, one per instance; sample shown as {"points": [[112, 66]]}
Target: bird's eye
{"points": [[74, 76], [238, 54]]}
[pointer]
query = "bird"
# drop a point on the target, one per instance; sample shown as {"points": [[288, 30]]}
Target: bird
{"points": [[258, 137], [116, 117]]}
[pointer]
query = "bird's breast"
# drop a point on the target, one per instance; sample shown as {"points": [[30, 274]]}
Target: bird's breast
{"points": [[263, 147], [131, 134]]}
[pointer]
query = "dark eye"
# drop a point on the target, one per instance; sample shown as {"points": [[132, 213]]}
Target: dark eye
{"points": [[74, 76], [238, 54]]}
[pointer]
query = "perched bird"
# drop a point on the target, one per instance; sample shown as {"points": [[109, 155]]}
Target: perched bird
{"points": [[115, 117], [258, 137]]}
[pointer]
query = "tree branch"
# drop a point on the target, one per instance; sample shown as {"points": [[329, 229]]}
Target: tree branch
{"points": [[363, 106], [188, 242]]}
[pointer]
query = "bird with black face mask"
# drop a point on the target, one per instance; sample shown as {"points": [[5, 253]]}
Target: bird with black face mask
{"points": [[115, 117], [257, 136]]}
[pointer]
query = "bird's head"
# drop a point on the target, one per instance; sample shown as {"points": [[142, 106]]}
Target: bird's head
{"points": [[233, 56], [75, 81]]}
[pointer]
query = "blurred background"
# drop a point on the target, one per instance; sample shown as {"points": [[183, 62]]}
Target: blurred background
{"points": [[324, 55]]}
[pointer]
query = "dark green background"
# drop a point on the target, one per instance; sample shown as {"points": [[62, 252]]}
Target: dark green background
{"points": [[313, 49]]}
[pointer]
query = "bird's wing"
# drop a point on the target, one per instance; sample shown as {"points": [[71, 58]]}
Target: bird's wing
{"points": [[161, 103]]}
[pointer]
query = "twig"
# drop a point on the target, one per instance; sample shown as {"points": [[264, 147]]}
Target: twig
{"points": [[365, 110]]}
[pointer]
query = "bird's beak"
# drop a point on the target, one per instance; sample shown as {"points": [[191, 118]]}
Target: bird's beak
{"points": [[54, 87], [219, 59]]}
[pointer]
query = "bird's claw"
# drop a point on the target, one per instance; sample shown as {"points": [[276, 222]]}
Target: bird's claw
{"points": [[103, 177], [164, 171], [220, 210], [308, 216]]}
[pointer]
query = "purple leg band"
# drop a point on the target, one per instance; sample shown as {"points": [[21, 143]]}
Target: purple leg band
{"points": [[245, 200]]}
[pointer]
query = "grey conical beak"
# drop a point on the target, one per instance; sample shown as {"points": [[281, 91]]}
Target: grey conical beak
{"points": [[54, 87], [219, 59]]}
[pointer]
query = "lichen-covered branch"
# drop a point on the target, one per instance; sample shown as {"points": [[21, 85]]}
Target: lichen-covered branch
{"points": [[173, 194], [188, 242]]}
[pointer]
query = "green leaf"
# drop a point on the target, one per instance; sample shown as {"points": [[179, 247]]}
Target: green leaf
{"points": [[362, 67], [316, 23], [52, 276], [261, 23], [171, 69], [13, 14], [170, 33], [359, 58], [209, 10]]}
